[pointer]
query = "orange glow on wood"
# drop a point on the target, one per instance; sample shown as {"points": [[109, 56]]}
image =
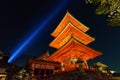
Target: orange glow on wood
{"points": [[69, 19], [74, 49], [70, 42], [68, 32], [43, 64]]}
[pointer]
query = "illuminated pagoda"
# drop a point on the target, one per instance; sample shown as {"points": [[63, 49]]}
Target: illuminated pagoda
{"points": [[70, 42]]}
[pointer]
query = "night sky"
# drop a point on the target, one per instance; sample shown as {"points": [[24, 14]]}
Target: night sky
{"points": [[18, 19]]}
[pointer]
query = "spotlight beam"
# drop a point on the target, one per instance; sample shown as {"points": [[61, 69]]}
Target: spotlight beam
{"points": [[17, 52]]}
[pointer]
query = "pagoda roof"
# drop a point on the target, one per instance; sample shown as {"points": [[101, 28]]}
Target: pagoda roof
{"points": [[74, 49], [68, 18], [42, 61], [44, 56], [71, 31], [45, 64]]}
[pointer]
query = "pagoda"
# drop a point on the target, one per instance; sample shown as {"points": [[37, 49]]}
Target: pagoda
{"points": [[71, 43]]}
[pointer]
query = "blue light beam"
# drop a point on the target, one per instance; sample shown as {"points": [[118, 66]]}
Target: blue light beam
{"points": [[30, 38]]}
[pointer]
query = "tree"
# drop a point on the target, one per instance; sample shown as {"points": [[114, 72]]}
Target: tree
{"points": [[111, 8]]}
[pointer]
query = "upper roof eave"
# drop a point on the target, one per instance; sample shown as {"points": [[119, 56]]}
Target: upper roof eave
{"points": [[67, 46], [66, 19]]}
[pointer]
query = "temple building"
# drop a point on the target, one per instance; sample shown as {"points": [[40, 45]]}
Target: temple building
{"points": [[41, 67], [70, 40]]}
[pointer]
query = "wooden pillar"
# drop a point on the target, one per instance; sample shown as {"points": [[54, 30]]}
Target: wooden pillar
{"points": [[32, 73], [86, 65], [39, 72], [48, 72], [44, 72]]}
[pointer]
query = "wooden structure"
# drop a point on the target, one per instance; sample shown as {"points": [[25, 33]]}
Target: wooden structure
{"points": [[71, 43], [41, 67], [71, 40]]}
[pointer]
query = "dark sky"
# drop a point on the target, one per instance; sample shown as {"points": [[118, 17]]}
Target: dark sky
{"points": [[18, 19]]}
